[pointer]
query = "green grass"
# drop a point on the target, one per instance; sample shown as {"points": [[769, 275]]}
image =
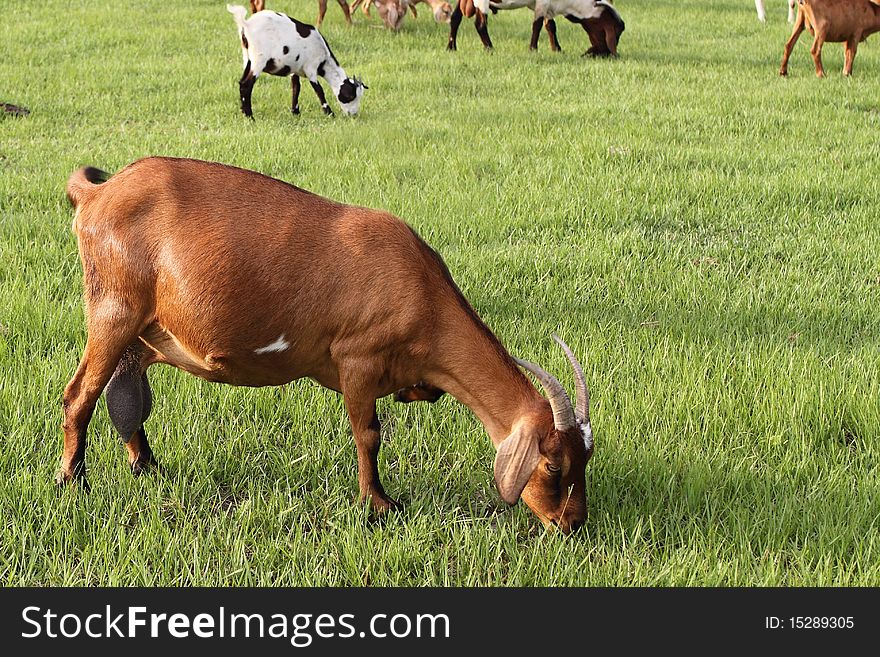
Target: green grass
{"points": [[701, 231]]}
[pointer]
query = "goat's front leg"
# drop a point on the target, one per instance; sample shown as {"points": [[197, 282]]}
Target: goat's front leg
{"points": [[294, 99], [245, 87], [319, 90], [365, 427], [850, 48]]}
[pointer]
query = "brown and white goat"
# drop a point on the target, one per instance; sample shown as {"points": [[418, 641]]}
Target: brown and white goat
{"points": [[239, 278], [599, 19], [847, 21]]}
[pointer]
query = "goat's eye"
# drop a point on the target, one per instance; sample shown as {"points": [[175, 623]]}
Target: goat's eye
{"points": [[553, 469]]}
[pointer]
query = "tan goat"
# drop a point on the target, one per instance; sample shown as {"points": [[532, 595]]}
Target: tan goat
{"points": [[442, 10], [390, 11], [847, 21], [239, 278], [260, 5]]}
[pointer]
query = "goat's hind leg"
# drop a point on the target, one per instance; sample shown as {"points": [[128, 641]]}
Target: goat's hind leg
{"points": [[481, 23], [104, 348], [537, 23], [550, 26], [129, 402], [816, 52]]}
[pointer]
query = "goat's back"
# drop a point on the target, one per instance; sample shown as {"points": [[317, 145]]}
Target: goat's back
{"points": [[213, 252]]}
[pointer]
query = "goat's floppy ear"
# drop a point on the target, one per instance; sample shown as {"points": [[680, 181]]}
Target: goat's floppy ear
{"points": [[515, 461]]}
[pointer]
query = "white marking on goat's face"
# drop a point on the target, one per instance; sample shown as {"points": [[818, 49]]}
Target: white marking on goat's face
{"points": [[279, 345], [587, 432]]}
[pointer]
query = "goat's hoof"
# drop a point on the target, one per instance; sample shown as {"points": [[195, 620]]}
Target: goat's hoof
{"points": [[142, 465], [64, 479], [380, 505]]}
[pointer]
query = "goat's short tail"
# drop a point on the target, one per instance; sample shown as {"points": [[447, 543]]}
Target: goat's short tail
{"points": [[82, 181], [239, 13]]}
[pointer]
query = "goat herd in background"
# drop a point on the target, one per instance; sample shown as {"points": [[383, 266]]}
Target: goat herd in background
{"points": [[279, 45]]}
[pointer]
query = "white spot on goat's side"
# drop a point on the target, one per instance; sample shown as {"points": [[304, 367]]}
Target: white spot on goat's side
{"points": [[279, 345]]}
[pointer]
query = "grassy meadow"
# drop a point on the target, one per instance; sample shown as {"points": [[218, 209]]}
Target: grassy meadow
{"points": [[703, 233]]}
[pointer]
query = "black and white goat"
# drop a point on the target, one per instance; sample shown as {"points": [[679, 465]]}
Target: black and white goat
{"points": [[599, 19], [277, 44]]}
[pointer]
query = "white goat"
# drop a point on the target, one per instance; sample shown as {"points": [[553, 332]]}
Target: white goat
{"points": [[280, 45], [762, 15]]}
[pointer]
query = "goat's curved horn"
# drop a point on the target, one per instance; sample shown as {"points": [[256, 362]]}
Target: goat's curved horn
{"points": [[582, 392], [563, 415]]}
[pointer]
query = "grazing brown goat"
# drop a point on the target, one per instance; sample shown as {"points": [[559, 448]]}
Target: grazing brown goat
{"points": [[847, 21], [599, 19], [239, 278]]}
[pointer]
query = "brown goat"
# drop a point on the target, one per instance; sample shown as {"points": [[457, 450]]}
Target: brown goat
{"points": [[847, 21], [239, 278]]}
